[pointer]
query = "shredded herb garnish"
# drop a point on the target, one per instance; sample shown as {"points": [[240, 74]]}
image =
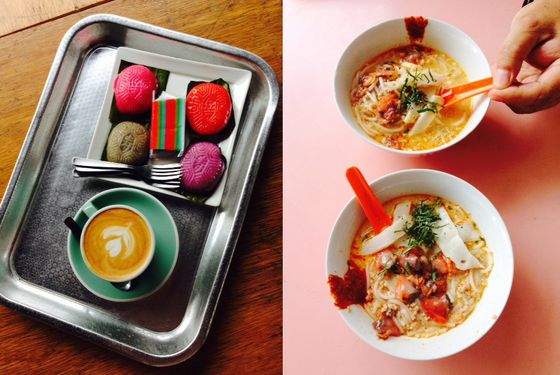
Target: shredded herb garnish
{"points": [[367, 235], [407, 268], [382, 272], [410, 95], [434, 277], [424, 220], [430, 107]]}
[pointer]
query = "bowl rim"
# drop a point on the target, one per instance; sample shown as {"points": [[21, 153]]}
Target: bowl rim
{"points": [[506, 291], [483, 104]]}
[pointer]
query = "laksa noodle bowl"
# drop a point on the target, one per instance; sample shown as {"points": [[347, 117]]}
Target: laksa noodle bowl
{"points": [[389, 82], [432, 282]]}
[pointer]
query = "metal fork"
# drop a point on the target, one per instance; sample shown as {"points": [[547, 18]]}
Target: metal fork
{"points": [[166, 176]]}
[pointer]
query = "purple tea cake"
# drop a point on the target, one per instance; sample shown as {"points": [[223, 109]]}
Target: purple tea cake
{"points": [[203, 167]]}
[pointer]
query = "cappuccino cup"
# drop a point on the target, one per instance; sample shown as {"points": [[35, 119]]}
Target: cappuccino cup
{"points": [[117, 242]]}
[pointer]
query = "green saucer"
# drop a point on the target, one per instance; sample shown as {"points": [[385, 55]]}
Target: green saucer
{"points": [[165, 255]]}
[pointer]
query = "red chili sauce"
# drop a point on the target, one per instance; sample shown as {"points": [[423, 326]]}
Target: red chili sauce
{"points": [[415, 27], [350, 289]]}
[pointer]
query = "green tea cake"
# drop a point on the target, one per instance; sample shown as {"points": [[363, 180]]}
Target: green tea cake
{"points": [[128, 143]]}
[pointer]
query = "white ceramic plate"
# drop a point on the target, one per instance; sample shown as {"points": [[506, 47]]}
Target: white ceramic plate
{"points": [[181, 72], [418, 181], [380, 38]]}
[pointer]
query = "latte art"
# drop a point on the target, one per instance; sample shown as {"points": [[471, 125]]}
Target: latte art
{"points": [[117, 244], [119, 238]]}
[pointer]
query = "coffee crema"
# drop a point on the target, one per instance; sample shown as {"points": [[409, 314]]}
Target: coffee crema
{"points": [[117, 243]]}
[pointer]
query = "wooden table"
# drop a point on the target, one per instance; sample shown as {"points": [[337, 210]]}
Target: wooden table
{"points": [[246, 336]]}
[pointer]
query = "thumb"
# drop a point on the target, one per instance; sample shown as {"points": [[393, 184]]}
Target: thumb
{"points": [[523, 36], [532, 96]]}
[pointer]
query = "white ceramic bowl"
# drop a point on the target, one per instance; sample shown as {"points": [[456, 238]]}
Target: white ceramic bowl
{"points": [[489, 308], [390, 34]]}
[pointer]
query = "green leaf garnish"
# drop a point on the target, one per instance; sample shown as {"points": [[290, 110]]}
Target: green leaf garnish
{"points": [[421, 230], [430, 107], [410, 95], [431, 76], [407, 268], [381, 273]]}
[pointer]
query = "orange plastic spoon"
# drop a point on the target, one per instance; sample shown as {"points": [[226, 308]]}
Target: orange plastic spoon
{"points": [[373, 209], [454, 94]]}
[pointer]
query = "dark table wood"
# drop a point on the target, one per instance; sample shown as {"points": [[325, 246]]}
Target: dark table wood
{"points": [[246, 336]]}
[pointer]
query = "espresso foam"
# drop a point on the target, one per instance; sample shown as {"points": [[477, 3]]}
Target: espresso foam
{"points": [[118, 239], [117, 243]]}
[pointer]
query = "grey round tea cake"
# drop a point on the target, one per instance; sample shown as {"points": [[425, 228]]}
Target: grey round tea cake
{"points": [[128, 143]]}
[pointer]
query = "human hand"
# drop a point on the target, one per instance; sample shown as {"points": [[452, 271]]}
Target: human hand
{"points": [[527, 71]]}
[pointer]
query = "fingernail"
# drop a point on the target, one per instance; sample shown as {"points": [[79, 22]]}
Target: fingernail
{"points": [[502, 78]]}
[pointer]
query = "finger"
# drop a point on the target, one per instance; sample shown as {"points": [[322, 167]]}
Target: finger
{"points": [[523, 36], [528, 73], [521, 98], [544, 54], [532, 96]]}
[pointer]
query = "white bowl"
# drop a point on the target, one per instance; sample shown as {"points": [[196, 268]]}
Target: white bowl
{"points": [[489, 308], [390, 34]]}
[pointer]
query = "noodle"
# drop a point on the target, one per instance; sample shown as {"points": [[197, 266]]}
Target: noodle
{"points": [[403, 309], [488, 268], [386, 75], [464, 289], [377, 293], [471, 281], [451, 289]]}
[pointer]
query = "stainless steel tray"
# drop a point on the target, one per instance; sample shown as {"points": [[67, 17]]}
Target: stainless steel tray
{"points": [[35, 275]]}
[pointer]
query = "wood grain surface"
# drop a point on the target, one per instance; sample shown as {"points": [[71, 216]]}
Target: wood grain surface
{"points": [[246, 336], [20, 14]]}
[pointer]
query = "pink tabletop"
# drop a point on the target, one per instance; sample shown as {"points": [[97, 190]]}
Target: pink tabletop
{"points": [[514, 160]]}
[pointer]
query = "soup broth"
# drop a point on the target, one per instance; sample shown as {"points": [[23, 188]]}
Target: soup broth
{"points": [[395, 98], [422, 275]]}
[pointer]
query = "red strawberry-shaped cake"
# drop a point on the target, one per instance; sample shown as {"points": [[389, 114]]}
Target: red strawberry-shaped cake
{"points": [[133, 90], [203, 167], [208, 108]]}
